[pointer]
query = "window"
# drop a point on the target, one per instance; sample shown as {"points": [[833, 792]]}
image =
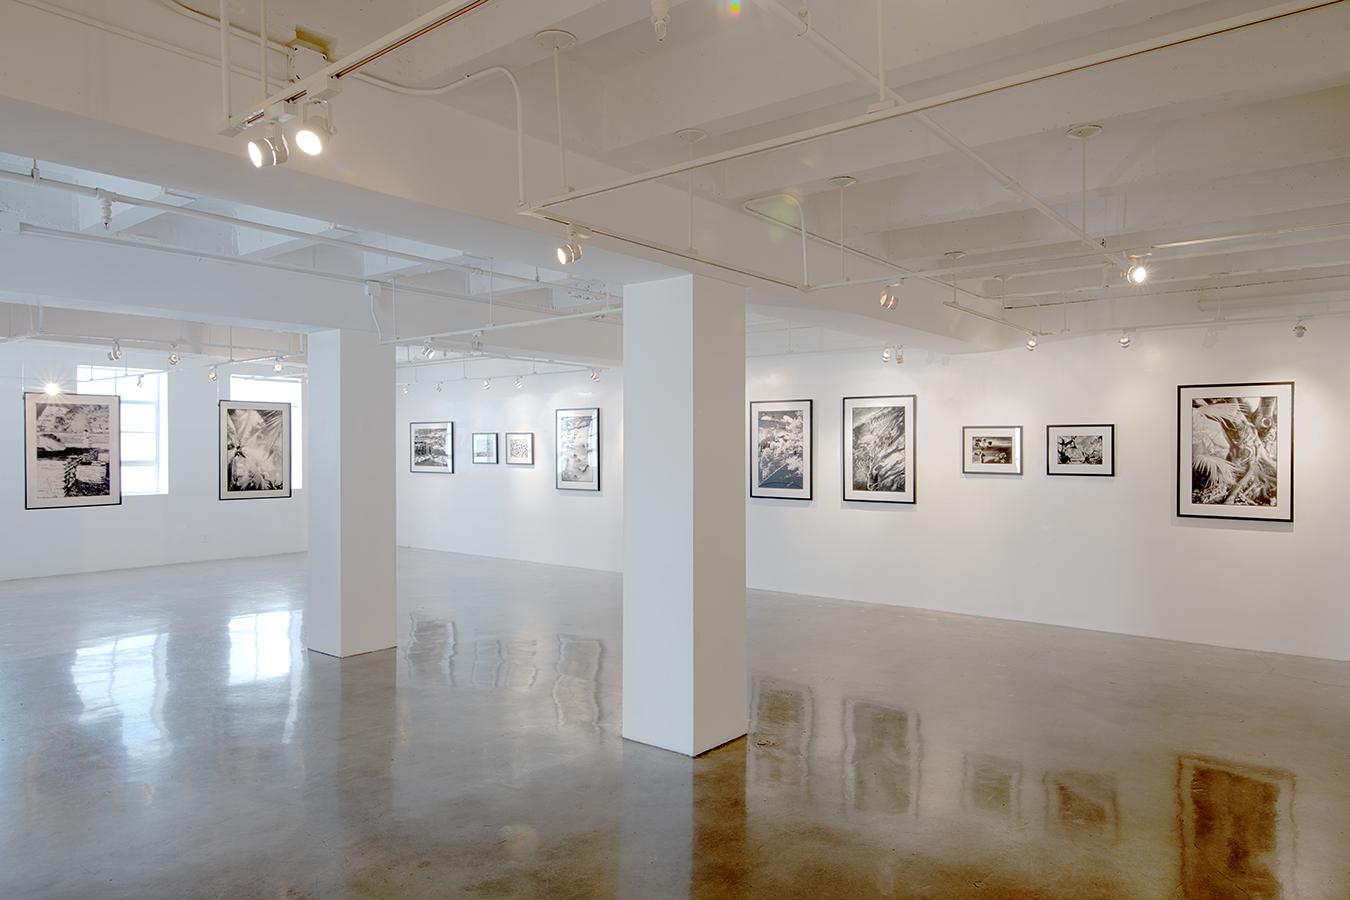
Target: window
{"points": [[145, 420], [277, 390]]}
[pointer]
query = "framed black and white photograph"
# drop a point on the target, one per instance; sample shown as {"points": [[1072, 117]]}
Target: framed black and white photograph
{"points": [[72, 450], [485, 448], [1235, 451], [991, 450], [782, 444], [1080, 450], [255, 450], [431, 447], [520, 448], [878, 455], [577, 448]]}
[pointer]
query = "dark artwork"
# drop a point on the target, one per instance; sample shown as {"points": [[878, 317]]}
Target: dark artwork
{"points": [[1235, 451], [997, 450], [255, 451], [74, 450], [879, 448], [780, 437], [429, 448], [1080, 450]]}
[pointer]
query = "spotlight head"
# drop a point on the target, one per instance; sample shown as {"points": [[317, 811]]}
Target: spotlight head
{"points": [[595, 374], [1124, 340], [520, 382], [1300, 329], [428, 351], [174, 358], [116, 352], [886, 355], [140, 381], [269, 150], [440, 387], [570, 251], [279, 366], [212, 374], [899, 356], [405, 390], [487, 384], [316, 127], [51, 388], [890, 296], [1032, 343], [1137, 273]]}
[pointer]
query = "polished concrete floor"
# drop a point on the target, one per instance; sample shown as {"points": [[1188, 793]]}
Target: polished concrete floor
{"points": [[164, 734]]}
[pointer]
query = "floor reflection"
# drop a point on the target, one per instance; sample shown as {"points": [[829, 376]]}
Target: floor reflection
{"points": [[1237, 830], [121, 684]]}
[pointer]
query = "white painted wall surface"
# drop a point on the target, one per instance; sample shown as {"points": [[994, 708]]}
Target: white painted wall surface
{"points": [[1098, 553], [188, 524], [514, 512]]}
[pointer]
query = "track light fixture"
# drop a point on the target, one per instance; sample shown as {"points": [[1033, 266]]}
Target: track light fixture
{"points": [[428, 351], [1137, 273], [174, 358], [440, 387], [595, 374], [487, 384], [570, 251], [279, 366], [140, 381], [212, 374], [115, 353], [1300, 329], [405, 390], [316, 127], [899, 356], [1032, 343], [890, 296], [887, 355], [51, 388], [269, 150], [520, 382], [1124, 340]]}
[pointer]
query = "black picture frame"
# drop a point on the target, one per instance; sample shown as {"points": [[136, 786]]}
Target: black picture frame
{"points": [[473, 449], [1013, 469], [114, 403], [806, 492], [1106, 471], [222, 464], [911, 452], [449, 446], [519, 434], [1286, 510], [558, 452]]}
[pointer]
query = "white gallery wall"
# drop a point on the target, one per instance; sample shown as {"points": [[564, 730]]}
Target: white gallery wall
{"points": [[1098, 553], [188, 524], [514, 512]]}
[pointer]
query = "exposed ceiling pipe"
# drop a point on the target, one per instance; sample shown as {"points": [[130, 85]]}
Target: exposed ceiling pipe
{"points": [[226, 70], [235, 221], [504, 326], [988, 317]]}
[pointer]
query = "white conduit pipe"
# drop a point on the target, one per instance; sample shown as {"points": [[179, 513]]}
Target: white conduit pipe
{"points": [[262, 48], [837, 54], [505, 326], [85, 191], [801, 215], [226, 104]]}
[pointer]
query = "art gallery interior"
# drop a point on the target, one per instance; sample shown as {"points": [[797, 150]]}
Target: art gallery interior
{"points": [[674, 449]]}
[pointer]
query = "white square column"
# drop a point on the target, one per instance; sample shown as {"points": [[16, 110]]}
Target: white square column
{"points": [[684, 657], [349, 477]]}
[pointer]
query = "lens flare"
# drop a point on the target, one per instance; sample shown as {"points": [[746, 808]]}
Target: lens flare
{"points": [[730, 7]]}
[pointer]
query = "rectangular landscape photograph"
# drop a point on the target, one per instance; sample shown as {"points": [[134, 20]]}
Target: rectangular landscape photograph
{"points": [[485, 448], [255, 450], [781, 446], [1235, 451], [577, 449], [878, 449], [432, 447], [1080, 450], [72, 450], [991, 450]]}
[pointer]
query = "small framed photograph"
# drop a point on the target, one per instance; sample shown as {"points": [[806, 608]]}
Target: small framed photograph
{"points": [[782, 444], [72, 450], [255, 450], [577, 449], [1080, 450], [485, 448], [878, 453], [520, 448], [991, 450], [1235, 451], [431, 447]]}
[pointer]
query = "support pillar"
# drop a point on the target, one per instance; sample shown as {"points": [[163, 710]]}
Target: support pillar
{"points": [[349, 477], [684, 656]]}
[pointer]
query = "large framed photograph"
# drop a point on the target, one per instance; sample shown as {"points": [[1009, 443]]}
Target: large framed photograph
{"points": [[1235, 451], [577, 448], [782, 444], [485, 448], [991, 450], [72, 450], [878, 456], [255, 450], [1080, 450], [520, 448], [431, 447]]}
